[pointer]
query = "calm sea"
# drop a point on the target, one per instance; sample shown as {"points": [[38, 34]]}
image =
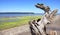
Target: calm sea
{"points": [[12, 15]]}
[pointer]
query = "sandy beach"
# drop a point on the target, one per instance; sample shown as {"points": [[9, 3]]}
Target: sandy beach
{"points": [[24, 30]]}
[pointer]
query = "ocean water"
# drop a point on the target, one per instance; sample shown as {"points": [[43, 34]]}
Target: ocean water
{"points": [[13, 15]]}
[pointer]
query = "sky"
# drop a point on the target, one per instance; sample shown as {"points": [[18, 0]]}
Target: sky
{"points": [[27, 5]]}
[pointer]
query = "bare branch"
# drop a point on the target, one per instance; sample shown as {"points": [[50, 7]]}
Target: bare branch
{"points": [[53, 13], [45, 8]]}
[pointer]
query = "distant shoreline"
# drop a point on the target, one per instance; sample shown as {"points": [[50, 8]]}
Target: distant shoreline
{"points": [[16, 13]]}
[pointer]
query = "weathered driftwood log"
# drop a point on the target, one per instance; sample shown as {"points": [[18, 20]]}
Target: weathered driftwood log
{"points": [[38, 27]]}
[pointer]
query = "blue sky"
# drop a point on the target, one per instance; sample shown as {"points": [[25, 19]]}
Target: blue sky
{"points": [[27, 5]]}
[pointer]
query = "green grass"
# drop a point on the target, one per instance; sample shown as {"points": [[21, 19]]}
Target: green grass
{"points": [[22, 21]]}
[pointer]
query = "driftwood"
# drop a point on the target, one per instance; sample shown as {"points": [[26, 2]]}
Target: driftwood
{"points": [[53, 14], [41, 6], [38, 27], [47, 9]]}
